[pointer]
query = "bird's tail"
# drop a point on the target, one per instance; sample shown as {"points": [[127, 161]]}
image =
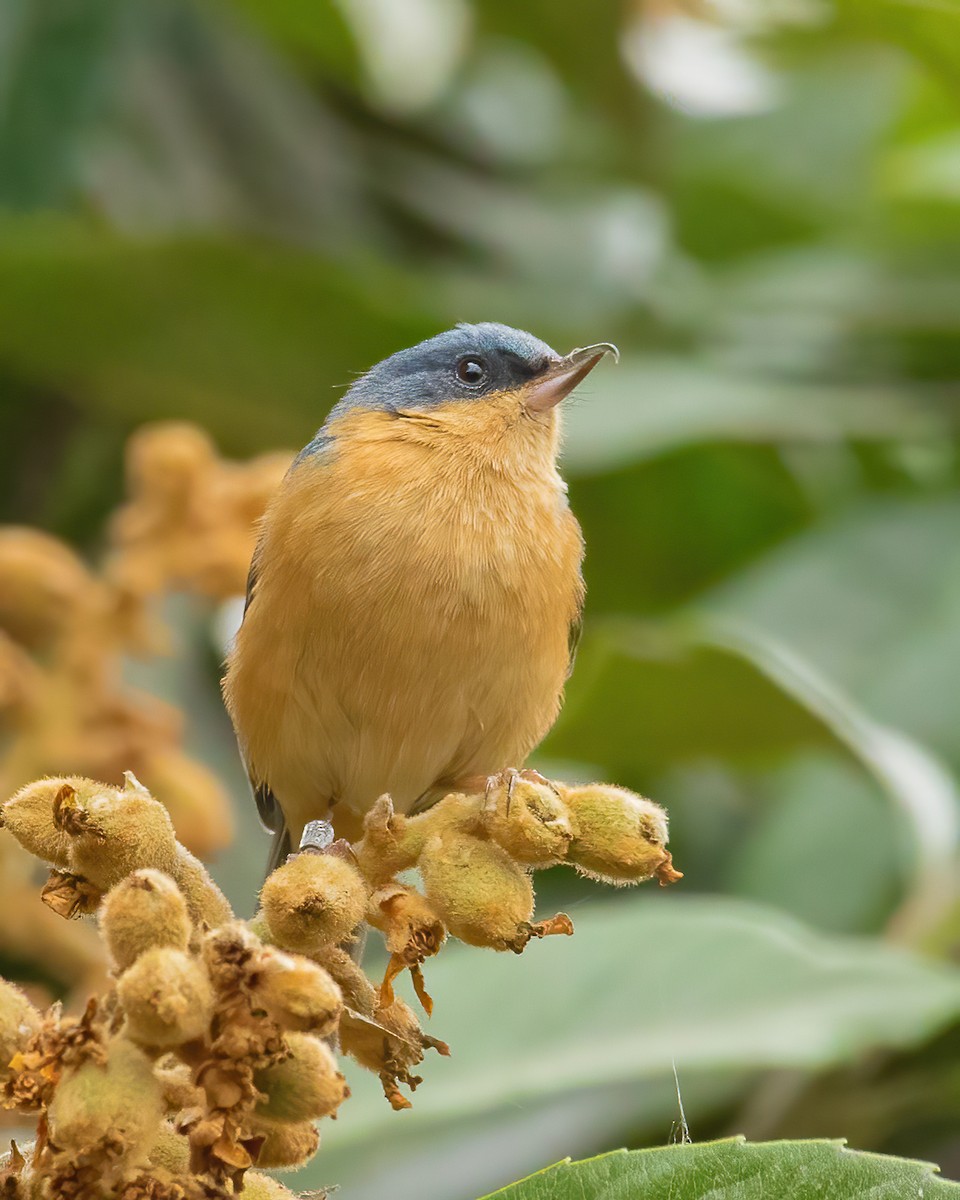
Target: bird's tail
{"points": [[280, 848]]}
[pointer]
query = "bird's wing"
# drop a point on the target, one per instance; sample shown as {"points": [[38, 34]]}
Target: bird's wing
{"points": [[281, 845], [251, 578], [271, 814], [574, 631]]}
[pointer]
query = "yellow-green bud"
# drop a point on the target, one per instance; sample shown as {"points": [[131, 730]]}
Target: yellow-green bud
{"points": [[206, 903], [166, 997], [143, 911], [313, 900], [531, 823], [262, 1187], [177, 1085], [120, 1098], [476, 888], [117, 830], [303, 1087], [260, 929], [297, 993], [391, 842], [18, 1020], [171, 1151], [28, 814], [620, 836], [287, 1144]]}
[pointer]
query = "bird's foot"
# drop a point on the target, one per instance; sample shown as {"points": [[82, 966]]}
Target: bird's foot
{"points": [[508, 778], [317, 836]]}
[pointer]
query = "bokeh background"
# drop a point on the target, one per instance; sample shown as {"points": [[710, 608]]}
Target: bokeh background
{"points": [[220, 212]]}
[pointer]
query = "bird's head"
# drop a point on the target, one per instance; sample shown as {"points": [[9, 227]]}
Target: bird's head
{"points": [[484, 383]]}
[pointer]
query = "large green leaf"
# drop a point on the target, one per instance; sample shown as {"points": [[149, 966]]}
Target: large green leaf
{"points": [[650, 699], [54, 73], [928, 30], [648, 695], [660, 530], [717, 987], [239, 336], [737, 1170], [871, 600], [645, 407], [844, 881]]}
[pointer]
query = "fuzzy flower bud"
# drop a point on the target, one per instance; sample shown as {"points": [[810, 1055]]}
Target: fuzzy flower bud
{"points": [[43, 585], [262, 1187], [166, 997], [18, 1020], [391, 842], [171, 1151], [115, 831], [529, 820], [621, 837], [303, 1087], [143, 911], [288, 1144], [206, 904], [476, 889], [313, 900], [120, 1098], [29, 816], [297, 993]]}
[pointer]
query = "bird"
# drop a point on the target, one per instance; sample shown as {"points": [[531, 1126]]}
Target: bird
{"points": [[415, 594]]}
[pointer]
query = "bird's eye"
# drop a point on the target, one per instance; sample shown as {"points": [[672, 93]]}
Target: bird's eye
{"points": [[471, 372]]}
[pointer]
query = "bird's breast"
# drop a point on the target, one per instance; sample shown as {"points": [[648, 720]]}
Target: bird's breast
{"points": [[410, 623], [392, 517]]}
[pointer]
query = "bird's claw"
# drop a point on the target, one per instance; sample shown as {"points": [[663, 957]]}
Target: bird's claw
{"points": [[509, 777]]}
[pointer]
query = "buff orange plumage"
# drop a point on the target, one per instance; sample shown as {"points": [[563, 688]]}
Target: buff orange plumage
{"points": [[416, 587]]}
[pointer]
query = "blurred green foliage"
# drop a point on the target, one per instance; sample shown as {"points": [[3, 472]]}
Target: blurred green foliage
{"points": [[222, 211]]}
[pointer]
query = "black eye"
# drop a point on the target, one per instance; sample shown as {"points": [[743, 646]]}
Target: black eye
{"points": [[471, 372]]}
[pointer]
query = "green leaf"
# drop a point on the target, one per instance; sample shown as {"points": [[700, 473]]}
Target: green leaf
{"points": [[645, 696], [799, 801], [639, 410], [311, 31], [248, 339], [658, 531], [718, 987], [870, 600], [928, 29], [737, 1170], [54, 67]]}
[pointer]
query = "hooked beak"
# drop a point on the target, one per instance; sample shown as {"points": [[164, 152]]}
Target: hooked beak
{"points": [[562, 376]]}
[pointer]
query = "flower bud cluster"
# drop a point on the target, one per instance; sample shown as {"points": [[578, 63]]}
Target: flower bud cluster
{"points": [[476, 854], [63, 630], [210, 1055], [189, 525], [314, 905], [95, 835], [213, 1052]]}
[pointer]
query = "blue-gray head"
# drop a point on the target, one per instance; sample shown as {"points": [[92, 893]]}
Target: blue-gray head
{"points": [[469, 363]]}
